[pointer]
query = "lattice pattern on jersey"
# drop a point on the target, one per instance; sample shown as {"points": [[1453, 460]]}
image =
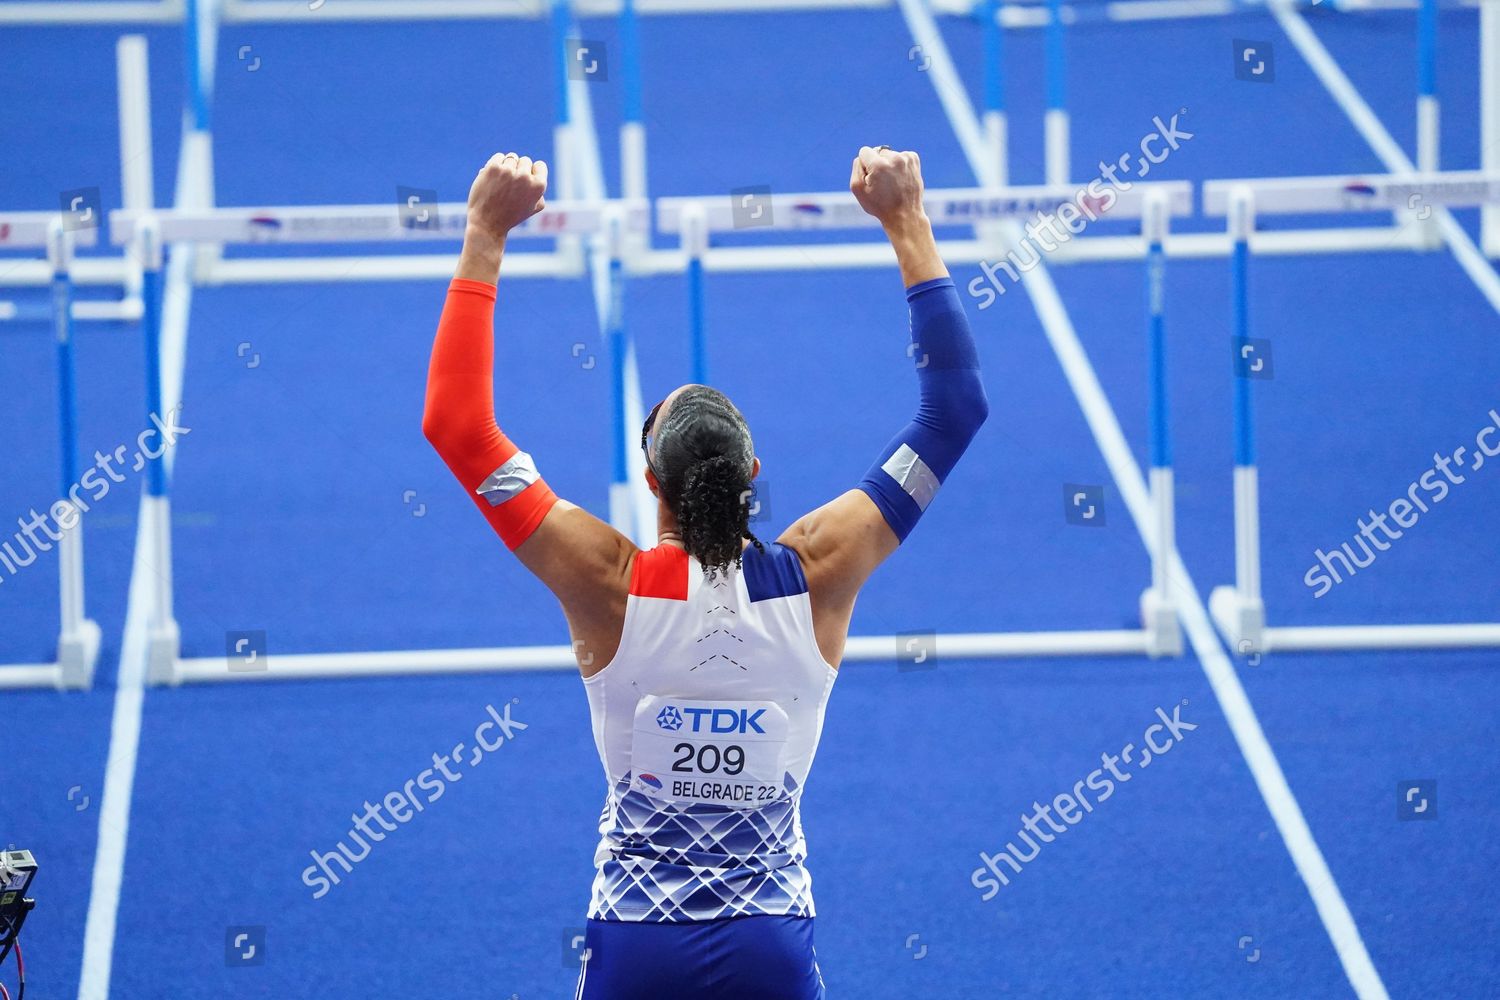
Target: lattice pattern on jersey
{"points": [[662, 862]]}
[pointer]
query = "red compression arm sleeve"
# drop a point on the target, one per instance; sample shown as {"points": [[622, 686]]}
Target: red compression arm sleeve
{"points": [[459, 418]]}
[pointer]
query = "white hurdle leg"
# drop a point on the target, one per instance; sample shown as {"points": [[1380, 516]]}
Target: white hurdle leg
{"points": [[78, 641], [1056, 123], [1057, 126], [136, 167], [78, 637], [1158, 604], [997, 139], [996, 126], [632, 129], [1239, 610], [1427, 109], [633, 178], [1427, 133], [163, 637], [163, 642], [202, 28]]}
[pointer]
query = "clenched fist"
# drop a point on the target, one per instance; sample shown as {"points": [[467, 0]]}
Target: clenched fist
{"points": [[508, 190], [888, 185]]}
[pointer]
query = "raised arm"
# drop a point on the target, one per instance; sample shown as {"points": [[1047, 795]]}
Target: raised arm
{"points": [[843, 541], [581, 559]]}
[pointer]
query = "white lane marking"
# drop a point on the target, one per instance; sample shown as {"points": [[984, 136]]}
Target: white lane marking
{"points": [[1105, 426], [585, 143], [125, 724]]}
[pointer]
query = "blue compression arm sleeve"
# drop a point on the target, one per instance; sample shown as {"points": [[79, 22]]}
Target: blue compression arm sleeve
{"points": [[951, 410]]}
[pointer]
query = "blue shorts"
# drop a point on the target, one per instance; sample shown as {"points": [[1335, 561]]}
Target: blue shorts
{"points": [[737, 958]]}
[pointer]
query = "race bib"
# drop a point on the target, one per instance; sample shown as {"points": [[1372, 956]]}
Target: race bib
{"points": [[725, 753]]}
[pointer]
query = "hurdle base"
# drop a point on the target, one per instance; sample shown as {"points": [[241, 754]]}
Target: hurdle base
{"points": [[1241, 621], [162, 648], [1159, 619], [77, 653], [14, 676], [1327, 638]]}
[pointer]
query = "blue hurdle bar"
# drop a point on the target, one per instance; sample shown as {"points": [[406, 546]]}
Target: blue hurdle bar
{"points": [[696, 330], [1239, 265], [630, 60], [152, 256], [61, 252], [197, 92], [1161, 443], [1427, 101], [615, 333], [562, 24]]}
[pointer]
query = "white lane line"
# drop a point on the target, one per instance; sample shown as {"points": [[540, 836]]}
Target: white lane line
{"points": [[1364, 119], [1105, 426], [119, 782], [591, 187], [125, 724], [1228, 690]]}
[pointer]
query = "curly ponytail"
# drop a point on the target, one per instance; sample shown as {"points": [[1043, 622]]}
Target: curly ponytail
{"points": [[703, 459], [713, 513]]}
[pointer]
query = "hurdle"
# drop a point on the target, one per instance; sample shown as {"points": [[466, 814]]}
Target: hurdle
{"points": [[132, 78], [694, 220], [78, 635], [616, 235], [147, 232], [1239, 609]]}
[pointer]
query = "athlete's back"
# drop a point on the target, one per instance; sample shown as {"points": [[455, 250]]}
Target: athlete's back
{"points": [[706, 721]]}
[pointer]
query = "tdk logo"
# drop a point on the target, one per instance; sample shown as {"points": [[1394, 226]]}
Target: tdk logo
{"points": [[725, 720], [712, 720]]}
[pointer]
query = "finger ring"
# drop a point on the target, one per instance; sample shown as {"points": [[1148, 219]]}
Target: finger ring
{"points": [[882, 149]]}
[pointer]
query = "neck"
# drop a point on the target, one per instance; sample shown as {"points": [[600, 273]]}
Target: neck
{"points": [[667, 532]]}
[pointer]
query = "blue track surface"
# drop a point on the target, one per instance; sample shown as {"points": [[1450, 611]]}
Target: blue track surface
{"points": [[298, 493]]}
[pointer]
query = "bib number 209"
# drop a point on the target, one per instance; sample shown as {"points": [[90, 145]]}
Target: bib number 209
{"points": [[726, 753], [709, 758]]}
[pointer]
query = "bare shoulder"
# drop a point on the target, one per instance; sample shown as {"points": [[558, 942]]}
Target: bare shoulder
{"points": [[577, 555], [586, 564], [840, 544]]}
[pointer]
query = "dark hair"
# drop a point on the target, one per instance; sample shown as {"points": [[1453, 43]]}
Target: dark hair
{"points": [[703, 459]]}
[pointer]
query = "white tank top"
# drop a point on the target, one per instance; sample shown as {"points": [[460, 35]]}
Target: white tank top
{"points": [[707, 721]]}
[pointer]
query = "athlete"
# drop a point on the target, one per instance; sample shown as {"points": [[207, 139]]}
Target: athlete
{"points": [[707, 659]]}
